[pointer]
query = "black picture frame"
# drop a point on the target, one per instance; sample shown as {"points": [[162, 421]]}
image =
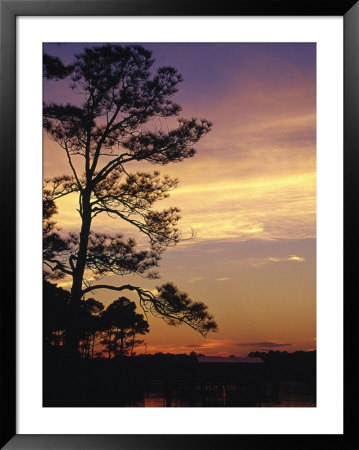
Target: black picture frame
{"points": [[9, 10]]}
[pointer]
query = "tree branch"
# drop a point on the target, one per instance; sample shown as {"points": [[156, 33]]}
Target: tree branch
{"points": [[72, 167]]}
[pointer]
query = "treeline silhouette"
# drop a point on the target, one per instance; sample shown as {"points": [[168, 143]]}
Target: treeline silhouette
{"points": [[284, 366], [112, 331]]}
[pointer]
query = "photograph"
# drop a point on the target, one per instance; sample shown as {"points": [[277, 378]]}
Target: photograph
{"points": [[179, 224]]}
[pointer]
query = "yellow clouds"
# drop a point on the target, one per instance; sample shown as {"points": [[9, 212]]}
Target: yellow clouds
{"points": [[257, 262], [254, 176], [66, 282], [283, 124], [296, 258], [254, 262], [263, 207]]}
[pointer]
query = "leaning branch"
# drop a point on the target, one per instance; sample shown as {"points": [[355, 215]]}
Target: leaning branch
{"points": [[147, 296], [124, 287]]}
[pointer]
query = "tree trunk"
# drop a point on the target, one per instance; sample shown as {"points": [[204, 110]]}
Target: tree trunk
{"points": [[93, 344], [133, 343], [109, 345], [122, 343], [74, 326]]}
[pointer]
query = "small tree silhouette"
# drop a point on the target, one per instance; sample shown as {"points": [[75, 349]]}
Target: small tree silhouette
{"points": [[122, 324], [91, 326], [108, 131], [55, 314]]}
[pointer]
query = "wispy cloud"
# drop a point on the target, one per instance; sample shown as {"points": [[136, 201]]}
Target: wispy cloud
{"points": [[296, 258], [265, 344], [214, 343], [195, 278], [258, 262]]}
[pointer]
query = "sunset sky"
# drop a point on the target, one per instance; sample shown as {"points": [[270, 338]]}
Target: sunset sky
{"points": [[249, 195]]}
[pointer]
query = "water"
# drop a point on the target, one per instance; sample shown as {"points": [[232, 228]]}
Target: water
{"points": [[290, 394], [282, 394]]}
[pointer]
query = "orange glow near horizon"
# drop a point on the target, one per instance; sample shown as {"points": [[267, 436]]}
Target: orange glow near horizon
{"points": [[248, 195]]}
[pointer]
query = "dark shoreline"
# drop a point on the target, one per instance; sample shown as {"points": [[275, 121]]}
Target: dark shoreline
{"points": [[179, 380]]}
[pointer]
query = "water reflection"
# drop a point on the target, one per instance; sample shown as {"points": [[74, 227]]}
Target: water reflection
{"points": [[281, 394], [289, 394]]}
